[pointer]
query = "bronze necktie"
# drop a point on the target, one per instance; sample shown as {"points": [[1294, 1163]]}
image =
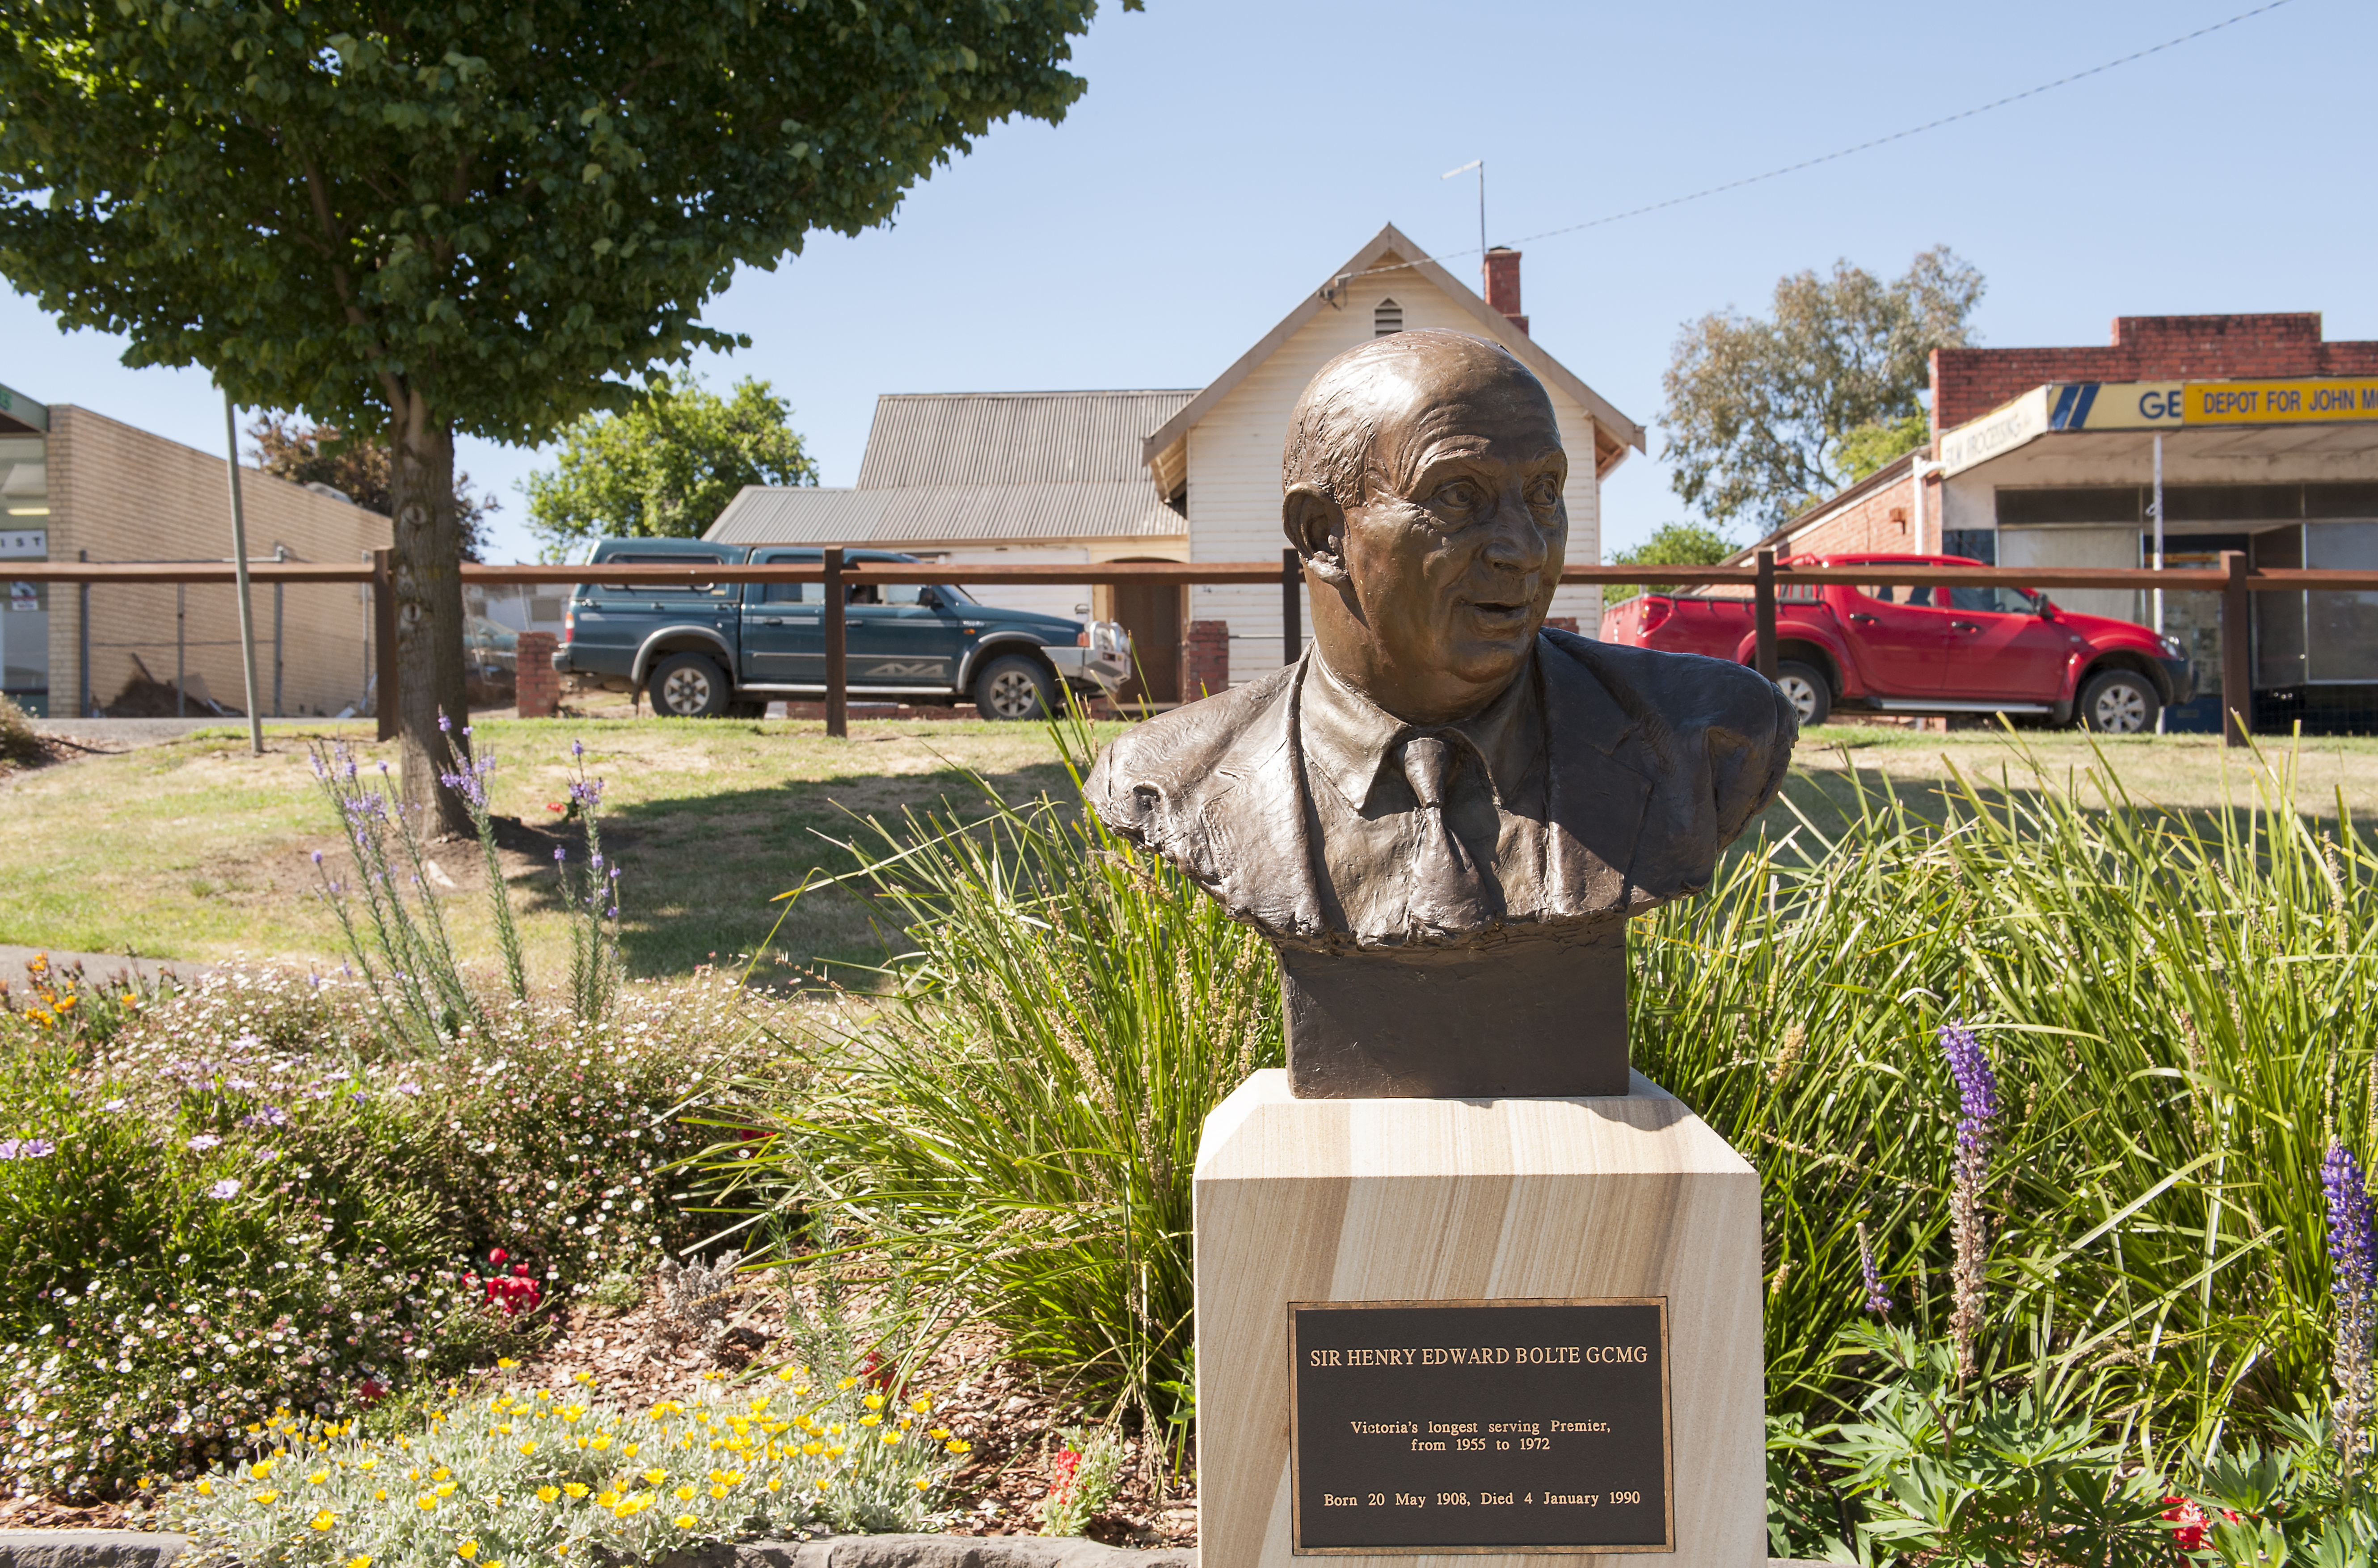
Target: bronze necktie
{"points": [[1448, 895]]}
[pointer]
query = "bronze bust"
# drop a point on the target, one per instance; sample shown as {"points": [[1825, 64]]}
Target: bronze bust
{"points": [[1443, 815]]}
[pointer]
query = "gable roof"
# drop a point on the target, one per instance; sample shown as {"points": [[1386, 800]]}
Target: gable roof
{"points": [[1166, 452], [950, 468]]}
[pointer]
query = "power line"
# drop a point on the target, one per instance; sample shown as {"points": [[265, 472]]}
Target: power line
{"points": [[1878, 141]]}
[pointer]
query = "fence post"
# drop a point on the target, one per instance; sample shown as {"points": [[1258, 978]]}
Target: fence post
{"points": [[1762, 613], [383, 588], [1291, 607], [2236, 651], [82, 635], [837, 651]]}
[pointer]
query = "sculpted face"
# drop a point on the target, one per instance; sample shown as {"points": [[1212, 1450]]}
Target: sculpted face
{"points": [[1428, 592]]}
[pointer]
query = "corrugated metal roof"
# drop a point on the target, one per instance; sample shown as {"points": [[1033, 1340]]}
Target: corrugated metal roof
{"points": [[1011, 438], [948, 514]]}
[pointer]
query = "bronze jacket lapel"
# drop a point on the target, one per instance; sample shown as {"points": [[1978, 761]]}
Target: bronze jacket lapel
{"points": [[1597, 793]]}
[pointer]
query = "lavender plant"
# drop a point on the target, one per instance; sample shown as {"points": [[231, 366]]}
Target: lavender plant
{"points": [[1977, 1111], [2353, 1258]]}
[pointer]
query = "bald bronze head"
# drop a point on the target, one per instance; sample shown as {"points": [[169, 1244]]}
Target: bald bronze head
{"points": [[1424, 474]]}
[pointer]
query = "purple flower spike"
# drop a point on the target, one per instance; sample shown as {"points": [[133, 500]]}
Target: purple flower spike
{"points": [[1977, 1111], [444, 725], [318, 857], [1977, 1086], [2353, 1285], [578, 748], [559, 855], [2352, 1232], [1877, 1300]]}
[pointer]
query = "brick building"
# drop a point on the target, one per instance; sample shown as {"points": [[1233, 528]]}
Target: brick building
{"points": [[2256, 433], [79, 485]]}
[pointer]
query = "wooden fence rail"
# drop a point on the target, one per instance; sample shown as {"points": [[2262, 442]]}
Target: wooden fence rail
{"points": [[1764, 581]]}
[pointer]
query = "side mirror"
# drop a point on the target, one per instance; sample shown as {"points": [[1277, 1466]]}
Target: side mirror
{"points": [[2047, 609]]}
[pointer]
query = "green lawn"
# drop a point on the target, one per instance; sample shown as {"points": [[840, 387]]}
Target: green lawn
{"points": [[196, 850]]}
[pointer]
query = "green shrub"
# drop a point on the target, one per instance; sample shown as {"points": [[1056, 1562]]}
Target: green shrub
{"points": [[250, 1199], [1011, 1127]]}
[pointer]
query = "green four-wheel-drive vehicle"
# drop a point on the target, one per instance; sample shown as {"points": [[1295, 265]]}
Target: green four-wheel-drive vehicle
{"points": [[732, 648]]}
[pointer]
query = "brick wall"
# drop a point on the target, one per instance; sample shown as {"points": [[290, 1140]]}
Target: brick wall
{"points": [[1205, 659], [1882, 520], [124, 495], [537, 688], [1967, 383]]}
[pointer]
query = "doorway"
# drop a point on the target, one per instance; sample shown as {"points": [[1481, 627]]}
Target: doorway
{"points": [[1151, 612]]}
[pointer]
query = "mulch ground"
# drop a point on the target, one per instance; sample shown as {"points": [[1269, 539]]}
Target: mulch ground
{"points": [[1012, 1416]]}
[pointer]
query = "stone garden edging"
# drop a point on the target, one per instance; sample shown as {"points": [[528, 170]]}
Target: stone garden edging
{"points": [[132, 1548]]}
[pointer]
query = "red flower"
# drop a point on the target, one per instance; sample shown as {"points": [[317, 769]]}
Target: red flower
{"points": [[1060, 1480], [2191, 1524], [369, 1391], [499, 1257]]}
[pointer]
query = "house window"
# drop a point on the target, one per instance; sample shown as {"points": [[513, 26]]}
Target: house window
{"points": [[1388, 318]]}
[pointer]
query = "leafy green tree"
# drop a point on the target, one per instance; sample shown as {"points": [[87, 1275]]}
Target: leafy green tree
{"points": [[1671, 544], [1758, 411], [1870, 447], [667, 465], [468, 218]]}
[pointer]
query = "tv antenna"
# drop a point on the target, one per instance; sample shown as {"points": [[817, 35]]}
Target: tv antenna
{"points": [[1478, 164]]}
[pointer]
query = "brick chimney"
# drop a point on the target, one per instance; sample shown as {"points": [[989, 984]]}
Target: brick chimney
{"points": [[1502, 272]]}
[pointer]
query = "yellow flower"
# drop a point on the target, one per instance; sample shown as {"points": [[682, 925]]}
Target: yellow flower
{"points": [[324, 1520], [823, 1483], [440, 1473], [959, 1445], [547, 1493], [365, 1464], [503, 1429], [939, 1433], [606, 1499], [575, 1488], [358, 1562], [847, 1383], [380, 1496], [262, 1470], [268, 1498], [775, 1483], [253, 1428], [446, 1490], [891, 1438], [813, 1449], [686, 1521], [505, 1363], [598, 1443], [628, 1449], [923, 1407], [654, 1478], [467, 1550], [528, 1445], [871, 1420], [921, 1483], [685, 1494], [874, 1402], [206, 1489], [424, 1502], [718, 1492], [317, 1477]]}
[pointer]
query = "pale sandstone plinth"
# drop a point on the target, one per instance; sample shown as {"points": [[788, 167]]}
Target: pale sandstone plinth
{"points": [[1413, 1200]]}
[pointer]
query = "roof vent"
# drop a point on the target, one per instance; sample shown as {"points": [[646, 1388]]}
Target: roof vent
{"points": [[1388, 318]]}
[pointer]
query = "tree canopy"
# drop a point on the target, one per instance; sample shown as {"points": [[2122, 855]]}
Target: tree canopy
{"points": [[1765, 415], [1671, 544], [358, 468], [667, 464], [468, 218]]}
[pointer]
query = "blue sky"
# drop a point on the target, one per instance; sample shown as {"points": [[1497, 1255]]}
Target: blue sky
{"points": [[1230, 153]]}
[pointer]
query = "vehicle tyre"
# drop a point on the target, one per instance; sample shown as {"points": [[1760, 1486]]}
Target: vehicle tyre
{"points": [[1810, 695], [688, 686], [1013, 686], [2119, 702]]}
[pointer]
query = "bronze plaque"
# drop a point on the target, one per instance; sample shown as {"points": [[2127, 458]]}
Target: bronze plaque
{"points": [[1435, 1426]]}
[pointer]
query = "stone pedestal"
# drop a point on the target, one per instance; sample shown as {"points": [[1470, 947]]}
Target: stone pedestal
{"points": [[1416, 1201]]}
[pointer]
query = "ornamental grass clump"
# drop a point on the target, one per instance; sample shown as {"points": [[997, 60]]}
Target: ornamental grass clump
{"points": [[544, 1475]]}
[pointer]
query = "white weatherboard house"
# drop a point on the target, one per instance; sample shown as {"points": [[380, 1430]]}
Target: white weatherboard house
{"points": [[1171, 475]]}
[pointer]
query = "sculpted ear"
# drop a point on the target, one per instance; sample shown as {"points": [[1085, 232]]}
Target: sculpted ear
{"points": [[1317, 526]]}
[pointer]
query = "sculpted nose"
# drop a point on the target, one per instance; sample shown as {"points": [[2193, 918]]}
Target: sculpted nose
{"points": [[1515, 539]]}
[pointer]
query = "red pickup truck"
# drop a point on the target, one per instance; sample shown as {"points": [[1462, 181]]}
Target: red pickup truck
{"points": [[1927, 649]]}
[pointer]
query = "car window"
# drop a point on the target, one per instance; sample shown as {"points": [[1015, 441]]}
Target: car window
{"points": [[793, 594], [659, 590], [1898, 593], [1995, 600], [886, 592]]}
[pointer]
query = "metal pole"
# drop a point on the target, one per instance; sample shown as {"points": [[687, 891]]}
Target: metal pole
{"points": [[384, 675], [181, 645], [2237, 668], [1481, 207], [239, 569], [278, 710], [1292, 608], [837, 651], [2156, 506], [82, 633], [1762, 610]]}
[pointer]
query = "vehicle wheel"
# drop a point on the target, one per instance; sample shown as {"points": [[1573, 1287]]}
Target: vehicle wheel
{"points": [[1810, 696], [688, 686], [2119, 702], [1013, 686]]}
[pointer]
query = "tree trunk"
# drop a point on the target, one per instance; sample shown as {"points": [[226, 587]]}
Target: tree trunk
{"points": [[429, 611]]}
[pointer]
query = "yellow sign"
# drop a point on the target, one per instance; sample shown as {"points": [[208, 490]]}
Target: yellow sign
{"points": [[2279, 402]]}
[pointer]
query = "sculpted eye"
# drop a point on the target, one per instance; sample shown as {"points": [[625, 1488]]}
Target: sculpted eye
{"points": [[1545, 491], [1459, 494]]}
